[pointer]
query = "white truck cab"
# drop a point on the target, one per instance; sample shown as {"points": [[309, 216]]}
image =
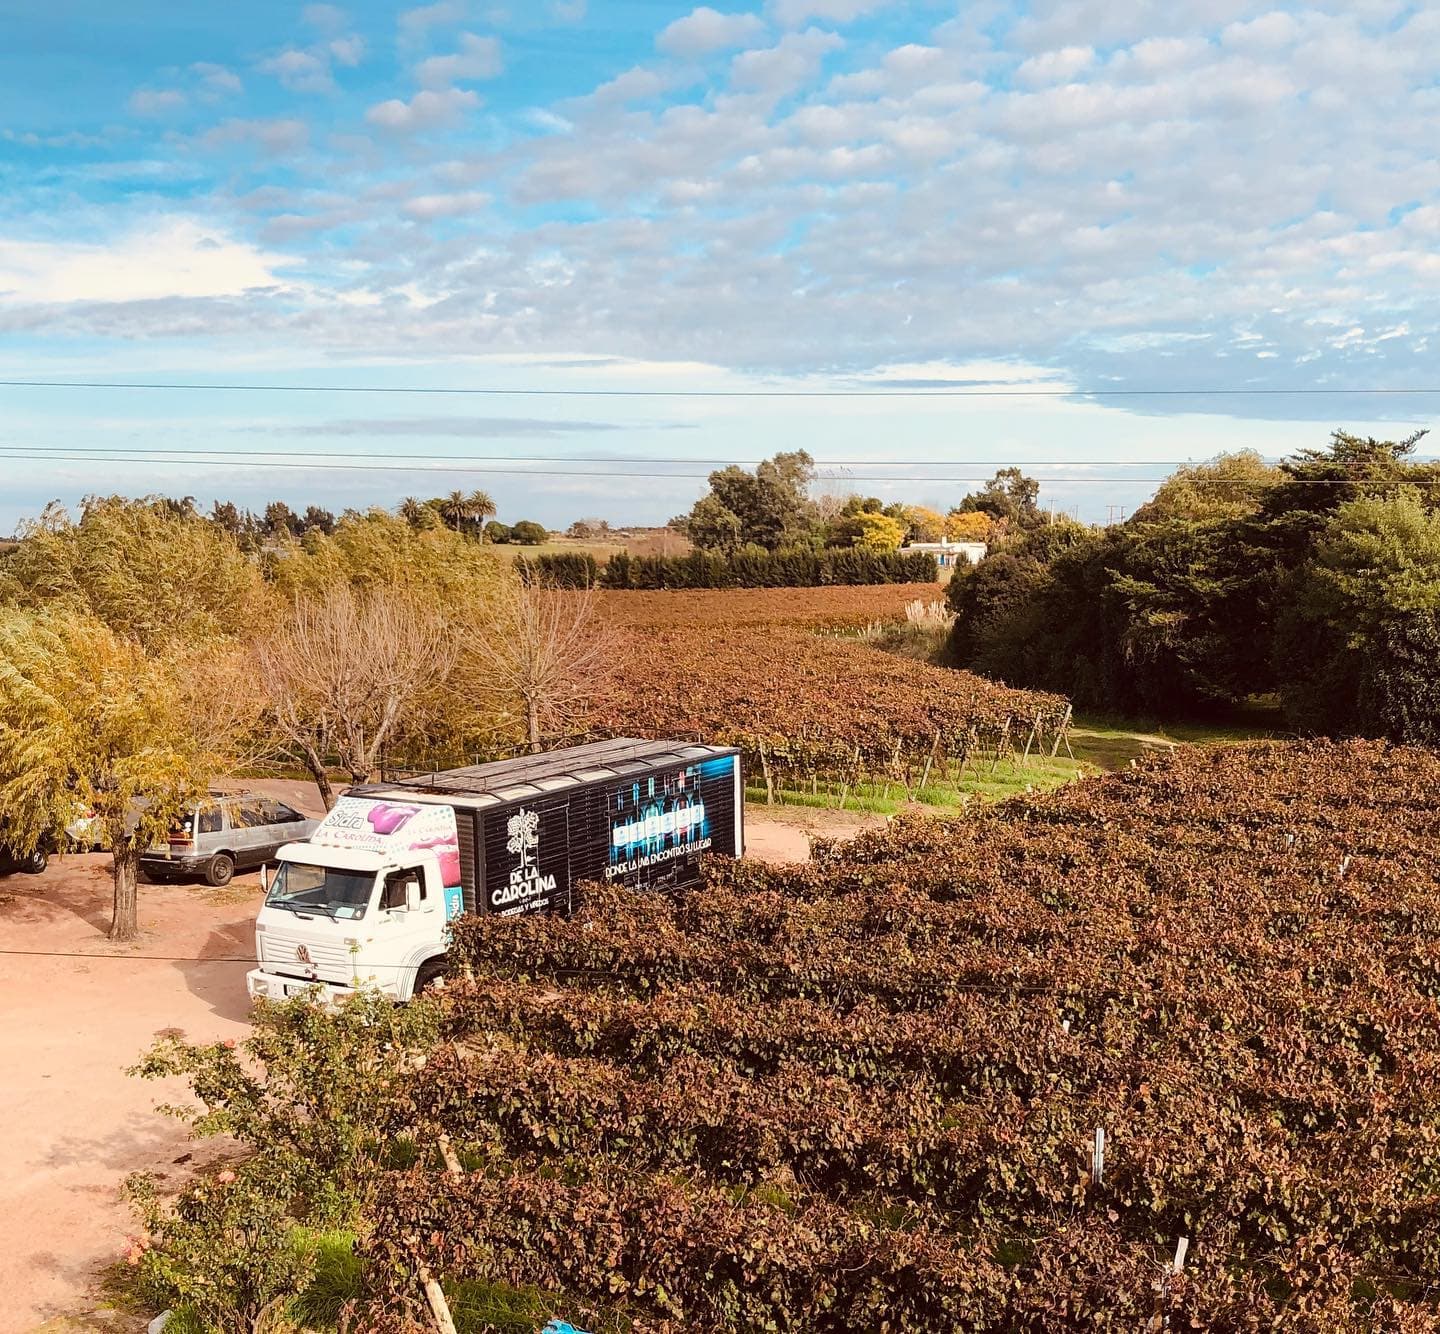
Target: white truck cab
{"points": [[366, 902]]}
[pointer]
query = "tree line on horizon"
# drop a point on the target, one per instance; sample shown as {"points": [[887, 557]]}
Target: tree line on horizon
{"points": [[470, 514], [778, 508], [1315, 583]]}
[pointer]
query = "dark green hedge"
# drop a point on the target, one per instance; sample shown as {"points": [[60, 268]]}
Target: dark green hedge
{"points": [[801, 568]]}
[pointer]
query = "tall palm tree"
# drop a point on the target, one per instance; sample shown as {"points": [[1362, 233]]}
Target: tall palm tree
{"points": [[482, 507], [413, 511], [455, 510]]}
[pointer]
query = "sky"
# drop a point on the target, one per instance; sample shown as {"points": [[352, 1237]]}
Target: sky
{"points": [[921, 240]]}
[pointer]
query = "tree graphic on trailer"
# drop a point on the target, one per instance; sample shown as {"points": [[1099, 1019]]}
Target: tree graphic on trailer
{"points": [[524, 830]]}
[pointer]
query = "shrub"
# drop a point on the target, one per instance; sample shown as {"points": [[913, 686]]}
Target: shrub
{"points": [[754, 567], [863, 1093], [559, 569], [529, 533]]}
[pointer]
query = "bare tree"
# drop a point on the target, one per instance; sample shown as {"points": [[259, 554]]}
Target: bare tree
{"points": [[547, 656], [346, 672]]}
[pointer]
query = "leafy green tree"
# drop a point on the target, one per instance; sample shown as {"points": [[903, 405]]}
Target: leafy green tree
{"points": [[380, 550], [480, 507], [280, 520], [455, 510], [89, 721], [1230, 486], [923, 524], [144, 569], [1009, 497], [1365, 613], [713, 526], [317, 519], [529, 533], [498, 533], [417, 513], [769, 507], [869, 529]]}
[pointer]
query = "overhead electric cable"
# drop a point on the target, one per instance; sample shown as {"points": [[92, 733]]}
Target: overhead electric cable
{"points": [[438, 468], [571, 392]]}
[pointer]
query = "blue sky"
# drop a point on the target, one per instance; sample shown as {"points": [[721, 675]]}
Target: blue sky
{"points": [[790, 195]]}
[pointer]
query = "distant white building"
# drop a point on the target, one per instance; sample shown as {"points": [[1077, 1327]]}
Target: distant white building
{"points": [[950, 554]]}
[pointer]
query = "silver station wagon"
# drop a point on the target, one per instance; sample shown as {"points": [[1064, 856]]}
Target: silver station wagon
{"points": [[228, 832]]}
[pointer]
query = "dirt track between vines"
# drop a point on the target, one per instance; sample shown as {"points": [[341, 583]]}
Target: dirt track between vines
{"points": [[75, 1123]]}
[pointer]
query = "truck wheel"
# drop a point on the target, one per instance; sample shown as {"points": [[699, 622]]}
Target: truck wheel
{"points": [[220, 870], [431, 977], [36, 862]]}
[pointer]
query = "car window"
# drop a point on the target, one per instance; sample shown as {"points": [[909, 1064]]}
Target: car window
{"points": [[209, 820], [280, 813], [393, 895], [249, 813]]}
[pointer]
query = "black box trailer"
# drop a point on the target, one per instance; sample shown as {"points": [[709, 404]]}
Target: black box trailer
{"points": [[631, 812]]}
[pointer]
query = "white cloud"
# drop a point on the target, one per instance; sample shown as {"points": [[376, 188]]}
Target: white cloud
{"points": [[216, 79], [172, 257], [426, 208], [325, 18], [348, 50], [706, 30], [427, 110], [477, 58], [274, 136], [1055, 66], [415, 24], [1269, 32], [569, 11], [782, 68], [300, 71], [157, 101], [792, 13], [785, 66]]}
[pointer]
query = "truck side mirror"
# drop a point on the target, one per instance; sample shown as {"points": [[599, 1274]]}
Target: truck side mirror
{"points": [[264, 878], [412, 896]]}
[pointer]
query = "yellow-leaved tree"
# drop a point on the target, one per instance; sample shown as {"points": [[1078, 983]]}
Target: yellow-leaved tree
{"points": [[92, 721]]}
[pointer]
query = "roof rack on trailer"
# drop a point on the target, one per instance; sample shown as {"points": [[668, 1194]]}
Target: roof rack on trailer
{"points": [[615, 756]]}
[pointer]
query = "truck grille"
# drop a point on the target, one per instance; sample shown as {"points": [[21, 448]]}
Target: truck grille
{"points": [[329, 961]]}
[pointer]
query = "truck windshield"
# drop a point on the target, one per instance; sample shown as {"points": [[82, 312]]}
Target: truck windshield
{"points": [[323, 889]]}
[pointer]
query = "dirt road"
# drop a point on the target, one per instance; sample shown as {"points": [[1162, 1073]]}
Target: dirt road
{"points": [[74, 1123]]}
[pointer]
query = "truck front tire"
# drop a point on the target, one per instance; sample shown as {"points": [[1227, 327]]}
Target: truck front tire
{"points": [[431, 974], [221, 870]]}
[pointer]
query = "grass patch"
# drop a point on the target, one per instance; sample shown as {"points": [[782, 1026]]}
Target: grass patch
{"points": [[1111, 743], [1009, 778]]}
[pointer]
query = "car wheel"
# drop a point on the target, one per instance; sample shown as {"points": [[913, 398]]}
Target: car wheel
{"points": [[431, 977], [36, 862], [221, 869]]}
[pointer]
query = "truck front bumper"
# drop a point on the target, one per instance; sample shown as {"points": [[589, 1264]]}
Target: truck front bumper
{"points": [[276, 986]]}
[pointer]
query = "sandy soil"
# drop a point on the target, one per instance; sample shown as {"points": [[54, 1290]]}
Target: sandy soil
{"points": [[74, 1123]]}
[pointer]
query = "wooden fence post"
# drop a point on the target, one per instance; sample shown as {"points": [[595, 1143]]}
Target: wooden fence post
{"points": [[929, 760], [434, 1293], [1029, 740], [1060, 735]]}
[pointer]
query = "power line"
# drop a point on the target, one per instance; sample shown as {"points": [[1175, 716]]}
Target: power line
{"points": [[502, 391], [188, 453], [983, 987], [98, 455]]}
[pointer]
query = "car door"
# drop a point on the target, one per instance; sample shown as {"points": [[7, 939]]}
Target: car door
{"points": [[250, 826]]}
